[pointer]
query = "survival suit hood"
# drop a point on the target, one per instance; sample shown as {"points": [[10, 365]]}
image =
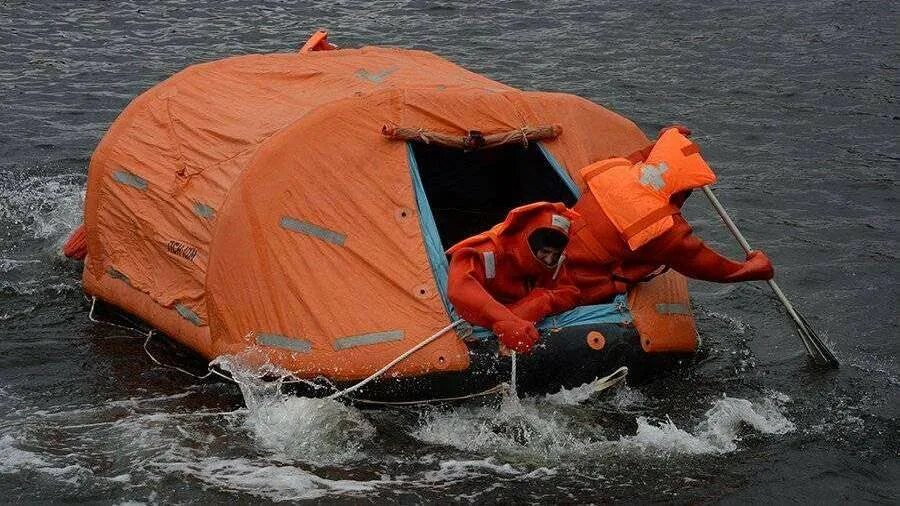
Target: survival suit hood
{"points": [[539, 223]]}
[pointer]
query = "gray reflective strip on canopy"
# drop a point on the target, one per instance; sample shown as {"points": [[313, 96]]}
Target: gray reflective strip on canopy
{"points": [[490, 264], [115, 274], [305, 227], [288, 343], [204, 210], [673, 309], [344, 343], [127, 178], [188, 315]]}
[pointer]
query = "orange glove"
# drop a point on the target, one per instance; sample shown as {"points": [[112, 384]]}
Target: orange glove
{"points": [[757, 267], [517, 335], [542, 302]]}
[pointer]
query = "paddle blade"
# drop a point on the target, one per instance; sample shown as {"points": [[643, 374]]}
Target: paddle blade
{"points": [[818, 350]]}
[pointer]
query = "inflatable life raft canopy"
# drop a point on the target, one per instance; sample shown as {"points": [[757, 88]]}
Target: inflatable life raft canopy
{"points": [[296, 206]]}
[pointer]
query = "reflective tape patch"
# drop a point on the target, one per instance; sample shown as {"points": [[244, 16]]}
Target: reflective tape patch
{"points": [[344, 343], [490, 264], [204, 211], [560, 222], [188, 315], [115, 274], [673, 309], [127, 178], [651, 175], [288, 343], [375, 77], [305, 227]]}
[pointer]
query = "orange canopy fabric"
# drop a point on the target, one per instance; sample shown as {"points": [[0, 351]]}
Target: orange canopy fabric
{"points": [[253, 204]]}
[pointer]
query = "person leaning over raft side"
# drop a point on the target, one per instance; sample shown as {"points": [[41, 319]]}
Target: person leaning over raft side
{"points": [[632, 228], [512, 276]]}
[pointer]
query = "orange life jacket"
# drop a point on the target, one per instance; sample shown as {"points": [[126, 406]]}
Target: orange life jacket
{"points": [[636, 197]]}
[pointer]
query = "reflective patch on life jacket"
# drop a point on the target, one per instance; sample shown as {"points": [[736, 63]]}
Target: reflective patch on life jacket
{"points": [[344, 343], [305, 227], [561, 222], [490, 264], [127, 178], [188, 315], [663, 308], [652, 175], [288, 343]]}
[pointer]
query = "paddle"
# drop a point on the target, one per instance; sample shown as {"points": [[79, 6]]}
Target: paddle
{"points": [[817, 349]]}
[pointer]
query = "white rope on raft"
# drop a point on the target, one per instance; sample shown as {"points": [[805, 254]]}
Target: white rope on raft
{"points": [[396, 361]]}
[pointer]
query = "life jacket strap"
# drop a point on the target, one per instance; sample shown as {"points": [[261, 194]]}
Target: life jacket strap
{"points": [[630, 282], [649, 219]]}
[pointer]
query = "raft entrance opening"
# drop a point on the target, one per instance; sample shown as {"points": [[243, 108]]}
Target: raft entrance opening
{"points": [[459, 194], [468, 192]]}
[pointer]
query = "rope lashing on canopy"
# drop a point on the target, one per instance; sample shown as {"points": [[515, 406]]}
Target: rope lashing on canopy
{"points": [[473, 139]]}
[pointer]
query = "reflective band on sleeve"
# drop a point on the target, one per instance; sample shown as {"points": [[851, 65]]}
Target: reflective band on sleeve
{"points": [[344, 343], [490, 265], [305, 227], [204, 210], [673, 309], [127, 178], [188, 315], [560, 222], [288, 343]]}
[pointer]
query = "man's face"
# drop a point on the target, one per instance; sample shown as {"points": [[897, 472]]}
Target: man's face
{"points": [[548, 255]]}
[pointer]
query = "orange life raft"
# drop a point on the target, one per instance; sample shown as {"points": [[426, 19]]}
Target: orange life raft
{"points": [[295, 208]]}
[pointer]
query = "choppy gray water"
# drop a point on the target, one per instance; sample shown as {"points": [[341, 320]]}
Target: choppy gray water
{"points": [[795, 105]]}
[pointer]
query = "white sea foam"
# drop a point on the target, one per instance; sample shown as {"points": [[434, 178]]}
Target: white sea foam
{"points": [[577, 395], [265, 479], [538, 430], [573, 396], [739, 326], [522, 429], [718, 432], [11, 264], [14, 459], [315, 430], [43, 207]]}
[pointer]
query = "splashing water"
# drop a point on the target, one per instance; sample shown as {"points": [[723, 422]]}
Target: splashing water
{"points": [[315, 430], [42, 207], [541, 429], [719, 431]]}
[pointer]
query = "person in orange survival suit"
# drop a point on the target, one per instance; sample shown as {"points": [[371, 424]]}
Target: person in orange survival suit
{"points": [[632, 227], [513, 275]]}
